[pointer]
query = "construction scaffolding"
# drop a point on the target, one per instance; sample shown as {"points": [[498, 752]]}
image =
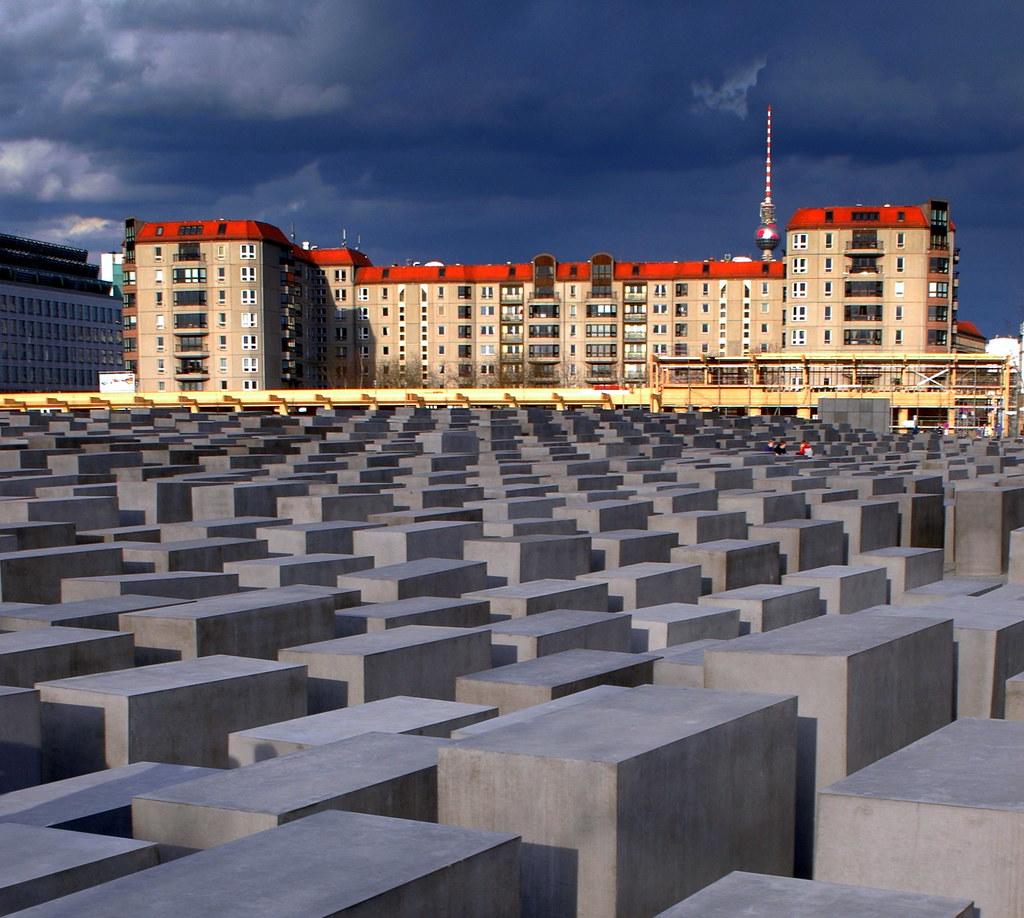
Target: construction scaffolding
{"points": [[959, 391]]}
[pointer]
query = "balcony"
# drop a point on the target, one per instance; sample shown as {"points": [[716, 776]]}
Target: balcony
{"points": [[635, 297], [192, 376], [634, 316], [865, 244], [512, 339], [600, 292], [634, 334], [599, 312], [545, 295], [512, 316], [510, 299], [190, 256]]}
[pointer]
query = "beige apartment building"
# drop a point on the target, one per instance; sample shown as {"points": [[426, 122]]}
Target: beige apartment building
{"points": [[875, 278], [227, 304], [235, 305]]}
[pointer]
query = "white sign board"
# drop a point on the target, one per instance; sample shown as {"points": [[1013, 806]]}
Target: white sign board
{"points": [[117, 382]]}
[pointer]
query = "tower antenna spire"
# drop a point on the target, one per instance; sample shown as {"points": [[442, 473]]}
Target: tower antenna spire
{"points": [[768, 232]]}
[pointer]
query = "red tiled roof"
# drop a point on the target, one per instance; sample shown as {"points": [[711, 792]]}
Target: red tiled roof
{"points": [[646, 270], [235, 229], [966, 327], [814, 217], [669, 270], [340, 256], [404, 274]]}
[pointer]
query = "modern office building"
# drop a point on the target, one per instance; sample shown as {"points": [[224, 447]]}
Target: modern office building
{"points": [[877, 278], [59, 325]]}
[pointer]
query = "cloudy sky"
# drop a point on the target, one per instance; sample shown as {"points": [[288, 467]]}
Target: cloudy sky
{"points": [[490, 131]]}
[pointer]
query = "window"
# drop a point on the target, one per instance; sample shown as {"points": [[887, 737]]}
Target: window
{"points": [[660, 309], [937, 337], [487, 350], [250, 364], [159, 342], [829, 237], [682, 329], [897, 288], [364, 294], [487, 293], [800, 265], [247, 250], [659, 329], [158, 276], [160, 321], [704, 328], [222, 297], [899, 263], [223, 365], [827, 313], [828, 288], [938, 289], [827, 338], [799, 313], [682, 289], [899, 313], [187, 275], [486, 311], [862, 337], [249, 319], [222, 342], [899, 336], [249, 342], [798, 241], [901, 240], [250, 383], [248, 274], [659, 289], [799, 288], [828, 264], [704, 307], [160, 365], [249, 297], [363, 313], [863, 312]]}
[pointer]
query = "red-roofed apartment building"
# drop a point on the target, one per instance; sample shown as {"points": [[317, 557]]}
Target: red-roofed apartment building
{"points": [[880, 279], [235, 304]]}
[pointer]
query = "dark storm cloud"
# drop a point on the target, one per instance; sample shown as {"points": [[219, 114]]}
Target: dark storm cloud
{"points": [[490, 131]]}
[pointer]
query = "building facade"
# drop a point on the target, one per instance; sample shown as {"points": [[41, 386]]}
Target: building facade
{"points": [[235, 304], [226, 304], [59, 325], [876, 278]]}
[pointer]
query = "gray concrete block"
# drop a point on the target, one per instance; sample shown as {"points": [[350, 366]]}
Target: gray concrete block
{"points": [[729, 564], [767, 606], [661, 626], [420, 610], [37, 865], [107, 720], [398, 714], [425, 577], [319, 866], [531, 636], [28, 657], [20, 740], [518, 600], [844, 588], [411, 660], [760, 896], [804, 544], [381, 773], [928, 818], [629, 803], [522, 685]]}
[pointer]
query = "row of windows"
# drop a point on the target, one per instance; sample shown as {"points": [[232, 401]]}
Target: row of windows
{"points": [[51, 331], [59, 309], [47, 377], [799, 241], [57, 353], [487, 292]]}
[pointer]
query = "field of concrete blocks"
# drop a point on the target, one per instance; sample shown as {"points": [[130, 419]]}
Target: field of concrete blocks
{"points": [[491, 663]]}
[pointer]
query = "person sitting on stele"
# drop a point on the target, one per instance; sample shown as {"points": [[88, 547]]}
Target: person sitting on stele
{"points": [[780, 448]]}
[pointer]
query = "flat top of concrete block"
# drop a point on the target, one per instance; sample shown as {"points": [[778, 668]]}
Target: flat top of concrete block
{"points": [[229, 521], [540, 710], [759, 896], [342, 525], [85, 795], [83, 608], [6, 690], [618, 727], [161, 677], [398, 714], [691, 653], [230, 603], [967, 617], [620, 535], [759, 592], [158, 577], [678, 612], [36, 638], [554, 621], [292, 782], [422, 567], [829, 635], [541, 538], [535, 588], [831, 571], [798, 524], [320, 865], [413, 606], [898, 551], [639, 570], [34, 852], [182, 544], [727, 545], [287, 560], [958, 586], [30, 554], [429, 526], [970, 762], [560, 668], [373, 642]]}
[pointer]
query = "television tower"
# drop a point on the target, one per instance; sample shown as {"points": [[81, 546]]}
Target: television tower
{"points": [[768, 233]]}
